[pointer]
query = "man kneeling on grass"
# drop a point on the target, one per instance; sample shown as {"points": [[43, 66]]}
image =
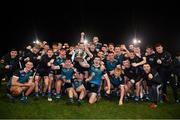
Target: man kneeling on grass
{"points": [[97, 71], [22, 82]]}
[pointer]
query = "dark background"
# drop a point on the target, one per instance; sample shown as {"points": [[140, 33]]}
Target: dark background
{"points": [[112, 21]]}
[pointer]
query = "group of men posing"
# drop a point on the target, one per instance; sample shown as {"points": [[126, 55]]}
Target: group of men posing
{"points": [[91, 69]]}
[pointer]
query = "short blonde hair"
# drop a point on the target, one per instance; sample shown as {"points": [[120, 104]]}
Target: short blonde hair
{"points": [[118, 70]]}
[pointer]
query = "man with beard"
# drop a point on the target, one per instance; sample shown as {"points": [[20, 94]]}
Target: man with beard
{"points": [[10, 63]]}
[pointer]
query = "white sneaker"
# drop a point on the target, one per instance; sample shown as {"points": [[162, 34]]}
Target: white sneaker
{"points": [[49, 99], [120, 103]]}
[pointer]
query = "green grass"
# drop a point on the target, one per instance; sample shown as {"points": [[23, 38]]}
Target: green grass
{"points": [[104, 109]]}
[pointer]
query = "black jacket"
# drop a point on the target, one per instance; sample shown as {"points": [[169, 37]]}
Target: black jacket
{"points": [[156, 80]]}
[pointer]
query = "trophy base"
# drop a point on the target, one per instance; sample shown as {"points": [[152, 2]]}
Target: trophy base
{"points": [[79, 59]]}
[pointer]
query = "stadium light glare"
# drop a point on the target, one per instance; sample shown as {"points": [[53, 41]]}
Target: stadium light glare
{"points": [[136, 41], [36, 41]]}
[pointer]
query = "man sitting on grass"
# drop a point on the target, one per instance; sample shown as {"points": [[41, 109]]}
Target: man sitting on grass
{"points": [[117, 82]]}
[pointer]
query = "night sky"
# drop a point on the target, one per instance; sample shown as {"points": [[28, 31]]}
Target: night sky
{"points": [[112, 21]]}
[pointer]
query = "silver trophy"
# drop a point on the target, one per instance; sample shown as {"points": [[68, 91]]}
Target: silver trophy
{"points": [[80, 55]]}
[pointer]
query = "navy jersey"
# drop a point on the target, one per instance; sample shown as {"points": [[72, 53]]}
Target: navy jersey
{"points": [[98, 45], [110, 65], [119, 58], [76, 83], [116, 81], [67, 73], [98, 73], [59, 60], [22, 75]]}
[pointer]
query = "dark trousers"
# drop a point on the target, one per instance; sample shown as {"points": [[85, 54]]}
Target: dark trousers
{"points": [[154, 92], [1, 76], [165, 75], [175, 82]]}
